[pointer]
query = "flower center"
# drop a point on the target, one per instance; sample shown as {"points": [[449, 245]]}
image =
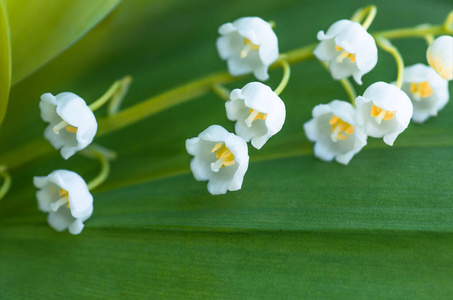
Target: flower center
{"points": [[63, 124], [248, 45], [344, 55], [339, 129], [379, 114], [421, 89], [254, 115], [63, 200], [224, 157]]}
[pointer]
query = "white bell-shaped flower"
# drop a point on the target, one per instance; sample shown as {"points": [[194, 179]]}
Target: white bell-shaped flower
{"points": [[249, 45], [258, 111], [219, 157], [65, 196], [440, 56], [72, 124], [334, 132], [383, 111], [426, 89], [349, 50]]}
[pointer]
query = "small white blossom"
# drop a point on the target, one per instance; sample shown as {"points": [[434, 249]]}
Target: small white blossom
{"points": [[249, 45], [440, 56], [65, 196], [427, 90], [334, 132], [219, 157], [348, 48], [258, 111], [384, 111], [72, 125]]}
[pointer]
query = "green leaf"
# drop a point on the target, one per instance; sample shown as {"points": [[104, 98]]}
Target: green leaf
{"points": [[40, 30], [5, 61], [380, 227]]}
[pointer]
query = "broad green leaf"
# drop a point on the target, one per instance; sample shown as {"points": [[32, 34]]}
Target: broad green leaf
{"points": [[5, 61], [380, 227], [40, 30]]}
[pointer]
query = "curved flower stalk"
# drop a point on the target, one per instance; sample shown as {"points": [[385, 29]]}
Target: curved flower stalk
{"points": [[440, 56], [249, 45], [220, 157], [65, 196], [348, 49], [72, 124], [427, 91], [383, 111], [258, 111], [334, 133]]}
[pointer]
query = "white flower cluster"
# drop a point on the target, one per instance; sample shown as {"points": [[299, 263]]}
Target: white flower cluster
{"points": [[63, 194], [384, 111], [221, 158]]}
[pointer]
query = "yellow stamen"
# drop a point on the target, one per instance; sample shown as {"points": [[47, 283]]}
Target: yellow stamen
{"points": [[422, 89], [224, 157], [339, 129], [249, 46], [380, 114], [64, 199], [71, 129], [254, 115], [344, 55]]}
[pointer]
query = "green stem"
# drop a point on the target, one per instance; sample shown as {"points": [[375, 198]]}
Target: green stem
{"points": [[369, 11], [4, 188], [117, 98], [347, 85], [285, 79], [105, 168], [38, 148], [221, 91], [387, 46], [106, 97]]}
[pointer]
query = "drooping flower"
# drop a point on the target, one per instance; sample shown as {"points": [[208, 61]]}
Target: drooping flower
{"points": [[426, 89], [258, 111], [249, 45], [72, 125], [334, 132], [348, 48], [440, 56], [65, 196], [220, 157], [383, 111]]}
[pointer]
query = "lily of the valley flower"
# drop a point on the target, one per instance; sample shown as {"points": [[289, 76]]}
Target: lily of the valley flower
{"points": [[258, 111], [427, 90], [334, 132], [72, 125], [440, 56], [384, 111], [65, 196], [348, 48], [249, 45], [219, 157]]}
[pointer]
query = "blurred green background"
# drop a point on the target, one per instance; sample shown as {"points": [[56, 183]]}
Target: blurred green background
{"points": [[381, 227]]}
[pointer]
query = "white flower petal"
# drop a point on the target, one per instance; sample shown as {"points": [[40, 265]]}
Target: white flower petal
{"points": [[229, 177], [70, 108], [356, 44], [262, 52], [259, 99], [338, 143], [65, 195], [391, 102], [440, 56], [437, 96]]}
